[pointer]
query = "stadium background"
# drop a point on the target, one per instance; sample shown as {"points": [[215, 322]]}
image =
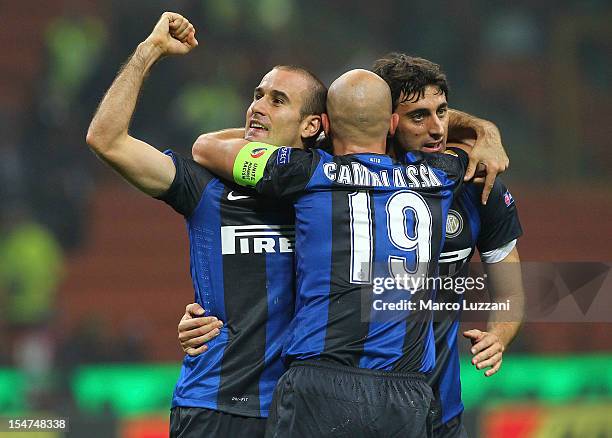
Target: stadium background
{"points": [[94, 276]]}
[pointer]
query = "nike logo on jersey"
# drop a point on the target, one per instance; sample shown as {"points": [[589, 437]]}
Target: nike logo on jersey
{"points": [[232, 197]]}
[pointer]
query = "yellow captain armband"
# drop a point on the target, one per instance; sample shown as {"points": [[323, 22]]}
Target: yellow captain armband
{"points": [[251, 162]]}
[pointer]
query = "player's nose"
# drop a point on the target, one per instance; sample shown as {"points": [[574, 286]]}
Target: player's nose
{"points": [[258, 107], [436, 128]]}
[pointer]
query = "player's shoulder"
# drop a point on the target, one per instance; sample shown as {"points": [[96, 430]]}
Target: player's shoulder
{"points": [[500, 202], [186, 167], [189, 183], [286, 156], [456, 155], [452, 161], [287, 172], [321, 154]]}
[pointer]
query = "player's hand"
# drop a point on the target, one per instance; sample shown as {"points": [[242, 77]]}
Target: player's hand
{"points": [[173, 35], [194, 329], [488, 151], [487, 350]]}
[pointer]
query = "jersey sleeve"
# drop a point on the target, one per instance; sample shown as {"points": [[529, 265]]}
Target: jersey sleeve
{"points": [[278, 172], [188, 185], [499, 218]]}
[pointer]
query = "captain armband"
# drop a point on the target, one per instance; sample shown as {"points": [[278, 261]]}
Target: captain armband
{"points": [[251, 162]]}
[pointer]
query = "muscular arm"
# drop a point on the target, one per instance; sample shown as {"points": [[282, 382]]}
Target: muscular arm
{"points": [[279, 172], [138, 162], [462, 126], [222, 135], [505, 283], [217, 151], [488, 148]]}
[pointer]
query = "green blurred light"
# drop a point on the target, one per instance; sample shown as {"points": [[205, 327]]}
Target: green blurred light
{"points": [[553, 379], [134, 389], [274, 14], [12, 391], [126, 389]]}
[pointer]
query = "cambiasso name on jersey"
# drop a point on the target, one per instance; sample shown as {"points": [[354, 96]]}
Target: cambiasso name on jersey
{"points": [[411, 176], [257, 239]]}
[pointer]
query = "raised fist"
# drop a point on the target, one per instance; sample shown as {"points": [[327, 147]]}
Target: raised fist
{"points": [[173, 34]]}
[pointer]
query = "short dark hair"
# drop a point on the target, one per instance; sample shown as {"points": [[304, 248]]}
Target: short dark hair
{"points": [[316, 98], [409, 75]]}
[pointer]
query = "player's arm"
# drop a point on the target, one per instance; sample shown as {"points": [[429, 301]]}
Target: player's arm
{"points": [[271, 170], [505, 284], [488, 148], [222, 135], [195, 329], [217, 151], [206, 140], [138, 162]]}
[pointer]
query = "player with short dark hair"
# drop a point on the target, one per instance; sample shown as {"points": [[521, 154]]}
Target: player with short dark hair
{"points": [[359, 215], [241, 248], [420, 93], [409, 77]]}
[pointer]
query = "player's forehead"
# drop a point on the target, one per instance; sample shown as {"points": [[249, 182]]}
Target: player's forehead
{"points": [[432, 99], [290, 82]]}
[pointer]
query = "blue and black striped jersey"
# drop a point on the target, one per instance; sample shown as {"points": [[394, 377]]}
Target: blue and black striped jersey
{"points": [[241, 256], [359, 218], [469, 225]]}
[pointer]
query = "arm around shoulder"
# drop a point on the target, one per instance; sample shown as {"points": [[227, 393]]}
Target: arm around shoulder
{"points": [[218, 153]]}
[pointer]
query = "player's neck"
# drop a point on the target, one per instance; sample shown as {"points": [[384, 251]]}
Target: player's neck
{"points": [[351, 147]]}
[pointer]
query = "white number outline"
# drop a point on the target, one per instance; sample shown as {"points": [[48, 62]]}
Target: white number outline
{"points": [[362, 240], [358, 242]]}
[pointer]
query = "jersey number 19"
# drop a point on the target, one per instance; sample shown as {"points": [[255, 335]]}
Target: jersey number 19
{"points": [[404, 234]]}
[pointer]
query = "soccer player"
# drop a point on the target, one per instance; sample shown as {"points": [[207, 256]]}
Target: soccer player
{"points": [[419, 89], [424, 126], [240, 247], [359, 216]]}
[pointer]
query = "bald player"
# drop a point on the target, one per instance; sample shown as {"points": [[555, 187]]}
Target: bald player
{"points": [[356, 368]]}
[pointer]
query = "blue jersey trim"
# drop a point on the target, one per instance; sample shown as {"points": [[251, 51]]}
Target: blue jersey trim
{"points": [[307, 330], [450, 382], [276, 331], [200, 376]]}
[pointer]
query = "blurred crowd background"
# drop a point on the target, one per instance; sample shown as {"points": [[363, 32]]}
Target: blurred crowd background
{"points": [[94, 276]]}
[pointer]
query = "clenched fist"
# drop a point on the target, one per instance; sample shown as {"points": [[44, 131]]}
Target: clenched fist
{"points": [[173, 35]]}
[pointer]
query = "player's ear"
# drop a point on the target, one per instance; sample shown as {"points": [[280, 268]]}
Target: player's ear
{"points": [[311, 125], [393, 123], [325, 121]]}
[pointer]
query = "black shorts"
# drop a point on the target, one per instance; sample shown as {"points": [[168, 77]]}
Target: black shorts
{"points": [[202, 422], [453, 428], [318, 399]]}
